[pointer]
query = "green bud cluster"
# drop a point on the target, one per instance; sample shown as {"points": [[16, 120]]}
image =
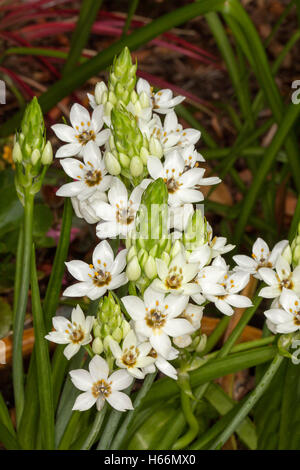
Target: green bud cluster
{"points": [[122, 78], [31, 153], [196, 233], [295, 247], [128, 147], [150, 240], [109, 323]]}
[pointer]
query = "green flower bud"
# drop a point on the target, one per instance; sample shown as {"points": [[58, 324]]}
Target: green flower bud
{"points": [[295, 247], [35, 156], [155, 147], [97, 346], [122, 77], [47, 155], [112, 164], [287, 254], [196, 233], [136, 166], [133, 270], [150, 268], [17, 153], [33, 130], [101, 93]]}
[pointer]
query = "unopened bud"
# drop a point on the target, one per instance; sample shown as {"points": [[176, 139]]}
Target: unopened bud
{"points": [[35, 156], [136, 166], [47, 155], [17, 153], [112, 165], [97, 346], [133, 270]]}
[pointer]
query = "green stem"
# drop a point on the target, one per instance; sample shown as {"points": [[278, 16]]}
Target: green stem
{"points": [[22, 298], [249, 403], [43, 365], [19, 270], [131, 11], [216, 335], [121, 435], [187, 409], [95, 429]]}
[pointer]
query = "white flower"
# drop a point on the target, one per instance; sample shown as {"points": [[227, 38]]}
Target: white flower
{"points": [[232, 283], [156, 318], [287, 318], [162, 101], [191, 157], [181, 184], [209, 278], [87, 209], [74, 333], [162, 363], [177, 277], [95, 279], [192, 313], [261, 257], [118, 217], [283, 278], [83, 129], [132, 356], [170, 133], [90, 175], [98, 387]]}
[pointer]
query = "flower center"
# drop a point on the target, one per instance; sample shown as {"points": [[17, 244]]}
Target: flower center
{"points": [[124, 215], [153, 353], [130, 356], [92, 178], [174, 279], [85, 137], [172, 185], [101, 278], [101, 389], [297, 320], [77, 335], [155, 319]]}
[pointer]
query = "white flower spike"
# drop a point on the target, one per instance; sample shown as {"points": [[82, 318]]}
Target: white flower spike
{"points": [[74, 333], [98, 387], [83, 129], [95, 279]]}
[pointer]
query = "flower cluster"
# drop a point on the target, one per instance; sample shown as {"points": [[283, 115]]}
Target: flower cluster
{"points": [[139, 179]]}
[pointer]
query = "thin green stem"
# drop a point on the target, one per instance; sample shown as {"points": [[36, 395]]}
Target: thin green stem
{"points": [[95, 429], [216, 335], [249, 403], [121, 435], [131, 11], [22, 298], [19, 270], [191, 420]]}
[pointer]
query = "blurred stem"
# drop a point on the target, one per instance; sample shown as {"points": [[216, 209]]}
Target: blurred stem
{"points": [[21, 304], [95, 429], [191, 420], [249, 403], [19, 266], [131, 11]]}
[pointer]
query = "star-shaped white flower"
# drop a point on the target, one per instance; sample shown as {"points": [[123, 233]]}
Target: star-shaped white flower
{"points": [[118, 217], [156, 318], [261, 257], [98, 387], [282, 278], [95, 279], [87, 209], [191, 157], [90, 175], [181, 184], [162, 364], [177, 277], [74, 333], [83, 129], [162, 101], [287, 318], [232, 283], [192, 313], [133, 356], [170, 133]]}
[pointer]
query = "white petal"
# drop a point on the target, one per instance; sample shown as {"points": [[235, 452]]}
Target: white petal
{"points": [[64, 132], [223, 307], [120, 401], [270, 292], [115, 348], [104, 253], [79, 114], [118, 193], [119, 263], [155, 167], [166, 368], [118, 281], [97, 118], [176, 305], [277, 250], [245, 262], [161, 343], [78, 316], [134, 306], [81, 379], [240, 301], [68, 150], [80, 289], [98, 368], [151, 296], [84, 401], [79, 270], [177, 327], [278, 315], [71, 350], [70, 189], [260, 248], [120, 380]]}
